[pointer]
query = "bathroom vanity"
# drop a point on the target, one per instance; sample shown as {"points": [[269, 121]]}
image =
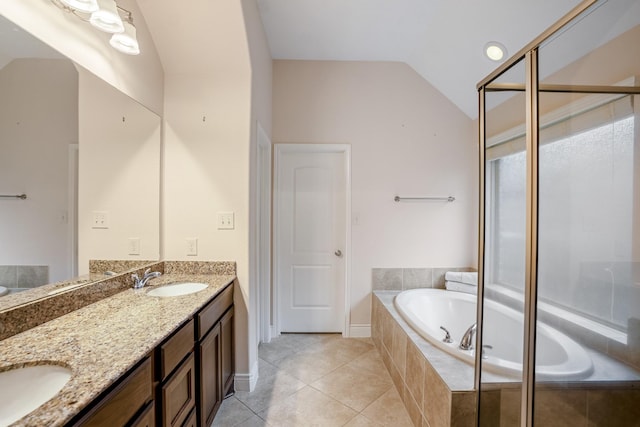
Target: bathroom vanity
{"points": [[136, 359]]}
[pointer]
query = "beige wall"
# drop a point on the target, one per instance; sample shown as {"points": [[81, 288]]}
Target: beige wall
{"points": [[38, 121], [261, 106], [119, 173], [407, 139], [206, 165], [140, 77]]}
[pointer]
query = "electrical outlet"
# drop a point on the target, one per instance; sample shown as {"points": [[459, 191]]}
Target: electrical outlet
{"points": [[226, 221], [134, 246], [192, 247], [100, 219]]}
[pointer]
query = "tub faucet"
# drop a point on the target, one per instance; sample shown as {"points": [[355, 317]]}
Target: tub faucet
{"points": [[447, 336], [148, 275], [466, 343]]}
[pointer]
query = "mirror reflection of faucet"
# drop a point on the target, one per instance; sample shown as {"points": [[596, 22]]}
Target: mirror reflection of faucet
{"points": [[139, 283], [488, 347]]}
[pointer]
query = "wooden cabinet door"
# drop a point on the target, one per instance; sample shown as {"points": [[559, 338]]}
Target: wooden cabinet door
{"points": [[191, 421], [147, 418], [227, 353], [179, 394], [209, 376]]}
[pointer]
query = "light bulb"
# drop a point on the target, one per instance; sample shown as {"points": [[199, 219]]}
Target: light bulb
{"points": [[495, 51], [126, 42], [107, 18], [86, 6]]}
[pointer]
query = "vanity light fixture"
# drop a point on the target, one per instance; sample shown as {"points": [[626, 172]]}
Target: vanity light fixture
{"points": [[126, 42], [84, 6], [495, 51], [106, 16]]}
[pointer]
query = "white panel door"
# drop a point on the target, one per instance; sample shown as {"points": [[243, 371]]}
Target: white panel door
{"points": [[311, 238]]}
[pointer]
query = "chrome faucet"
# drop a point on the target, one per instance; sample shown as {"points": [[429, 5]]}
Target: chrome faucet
{"points": [[447, 336], [148, 275], [466, 343]]}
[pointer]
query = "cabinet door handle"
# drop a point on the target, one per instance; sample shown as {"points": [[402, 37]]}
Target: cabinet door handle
{"points": [[338, 253]]}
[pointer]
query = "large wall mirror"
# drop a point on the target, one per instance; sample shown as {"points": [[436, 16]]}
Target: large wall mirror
{"points": [[86, 156]]}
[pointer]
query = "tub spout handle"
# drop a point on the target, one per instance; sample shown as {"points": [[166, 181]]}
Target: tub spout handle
{"points": [[466, 343], [447, 337]]}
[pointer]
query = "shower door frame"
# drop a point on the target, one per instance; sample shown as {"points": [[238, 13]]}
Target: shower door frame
{"points": [[532, 88]]}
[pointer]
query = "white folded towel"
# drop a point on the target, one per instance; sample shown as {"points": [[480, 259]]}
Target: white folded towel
{"points": [[461, 287], [466, 277]]}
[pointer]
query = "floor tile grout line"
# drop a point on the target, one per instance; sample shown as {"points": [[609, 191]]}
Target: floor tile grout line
{"points": [[322, 346]]}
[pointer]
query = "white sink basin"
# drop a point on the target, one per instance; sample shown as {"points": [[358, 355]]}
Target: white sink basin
{"points": [[24, 389], [177, 289]]}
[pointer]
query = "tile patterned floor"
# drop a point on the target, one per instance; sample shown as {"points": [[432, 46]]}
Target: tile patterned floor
{"points": [[317, 380]]}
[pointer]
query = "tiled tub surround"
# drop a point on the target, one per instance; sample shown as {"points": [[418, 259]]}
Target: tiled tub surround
{"points": [[618, 345], [400, 279], [101, 341], [20, 277], [447, 383], [436, 388]]}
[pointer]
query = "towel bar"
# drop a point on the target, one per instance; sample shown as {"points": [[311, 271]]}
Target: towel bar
{"points": [[437, 199]]}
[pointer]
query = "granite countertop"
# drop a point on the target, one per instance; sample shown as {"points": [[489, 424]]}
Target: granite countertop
{"points": [[13, 300], [101, 341]]}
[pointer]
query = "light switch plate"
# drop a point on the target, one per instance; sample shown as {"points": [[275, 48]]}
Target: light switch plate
{"points": [[226, 221], [99, 219], [192, 246], [134, 246]]}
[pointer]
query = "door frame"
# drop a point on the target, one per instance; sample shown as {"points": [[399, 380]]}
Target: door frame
{"points": [[263, 234], [72, 208], [345, 150]]}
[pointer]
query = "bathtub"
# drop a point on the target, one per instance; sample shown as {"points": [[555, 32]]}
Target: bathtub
{"points": [[558, 357]]}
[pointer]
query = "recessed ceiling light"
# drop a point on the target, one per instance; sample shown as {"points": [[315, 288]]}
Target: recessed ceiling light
{"points": [[495, 51]]}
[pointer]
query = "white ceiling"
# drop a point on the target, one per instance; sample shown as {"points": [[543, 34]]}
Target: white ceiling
{"points": [[442, 40]]}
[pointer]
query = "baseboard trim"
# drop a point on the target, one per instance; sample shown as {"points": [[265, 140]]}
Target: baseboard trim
{"points": [[360, 331], [247, 382]]}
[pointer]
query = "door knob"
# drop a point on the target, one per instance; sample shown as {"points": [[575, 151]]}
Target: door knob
{"points": [[338, 253]]}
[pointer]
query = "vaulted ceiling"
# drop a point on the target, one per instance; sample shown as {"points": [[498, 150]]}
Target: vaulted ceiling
{"points": [[442, 40]]}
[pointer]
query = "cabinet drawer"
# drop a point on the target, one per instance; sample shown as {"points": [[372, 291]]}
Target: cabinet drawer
{"points": [[174, 349], [179, 394], [209, 315], [122, 403]]}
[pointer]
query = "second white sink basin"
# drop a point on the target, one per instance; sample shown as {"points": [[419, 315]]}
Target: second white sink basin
{"points": [[24, 389], [177, 289]]}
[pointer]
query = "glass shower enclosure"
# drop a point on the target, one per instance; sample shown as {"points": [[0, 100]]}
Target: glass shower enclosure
{"points": [[559, 318]]}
